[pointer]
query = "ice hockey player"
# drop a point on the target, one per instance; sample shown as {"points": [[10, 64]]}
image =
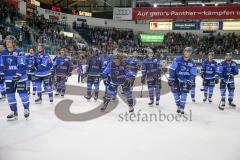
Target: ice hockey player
{"points": [[80, 72], [193, 90], [30, 71], [209, 75], [2, 83], [62, 67], [114, 75], [227, 70], [43, 64], [106, 59], [182, 73], [134, 65], [93, 73], [13, 69], [151, 70]]}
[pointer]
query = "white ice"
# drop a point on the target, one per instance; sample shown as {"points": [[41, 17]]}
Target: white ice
{"points": [[211, 135]]}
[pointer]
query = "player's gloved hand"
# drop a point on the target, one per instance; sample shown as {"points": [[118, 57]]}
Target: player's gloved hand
{"points": [[230, 75], [128, 82], [189, 83], [216, 80], [52, 72], [65, 79], [106, 82], [32, 69], [171, 82], [1, 77], [16, 78], [158, 79], [143, 80]]}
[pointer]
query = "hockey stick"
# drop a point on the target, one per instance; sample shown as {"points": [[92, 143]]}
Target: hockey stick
{"points": [[141, 93]]}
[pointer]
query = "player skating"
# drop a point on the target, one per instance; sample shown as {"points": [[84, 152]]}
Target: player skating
{"points": [[182, 73], [30, 71], [62, 68], [13, 69], [226, 71], [209, 75], [43, 64], [93, 73], [151, 70], [114, 75]]}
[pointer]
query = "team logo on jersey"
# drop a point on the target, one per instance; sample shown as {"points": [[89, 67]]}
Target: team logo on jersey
{"points": [[38, 61], [183, 68], [229, 69], [9, 61]]}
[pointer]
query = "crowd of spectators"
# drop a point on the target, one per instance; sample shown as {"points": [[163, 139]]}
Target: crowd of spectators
{"points": [[105, 38], [220, 43], [51, 32], [8, 11], [9, 15]]}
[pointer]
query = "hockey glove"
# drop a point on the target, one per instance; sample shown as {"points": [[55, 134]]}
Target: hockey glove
{"points": [[52, 72], [32, 69], [106, 81], [128, 83], [171, 82], [230, 76], [16, 78], [1, 77], [216, 80], [189, 84]]}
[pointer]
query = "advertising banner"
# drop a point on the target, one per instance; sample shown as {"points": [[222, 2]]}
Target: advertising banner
{"points": [[231, 25], [209, 26], [164, 26], [120, 14], [155, 38], [184, 25], [178, 13]]}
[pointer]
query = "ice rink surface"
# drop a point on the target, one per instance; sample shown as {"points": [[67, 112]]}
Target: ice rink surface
{"points": [[211, 135]]}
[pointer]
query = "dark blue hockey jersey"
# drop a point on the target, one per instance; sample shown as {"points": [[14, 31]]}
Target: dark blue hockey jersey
{"points": [[183, 70], [151, 69], [117, 74], [62, 66], [94, 66], [106, 60], [30, 64], [209, 69], [227, 71], [11, 64], [43, 65], [133, 64]]}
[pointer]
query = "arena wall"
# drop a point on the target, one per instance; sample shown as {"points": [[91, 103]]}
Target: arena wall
{"points": [[137, 28]]}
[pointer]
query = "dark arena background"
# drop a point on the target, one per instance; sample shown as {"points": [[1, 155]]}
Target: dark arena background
{"points": [[119, 79]]}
